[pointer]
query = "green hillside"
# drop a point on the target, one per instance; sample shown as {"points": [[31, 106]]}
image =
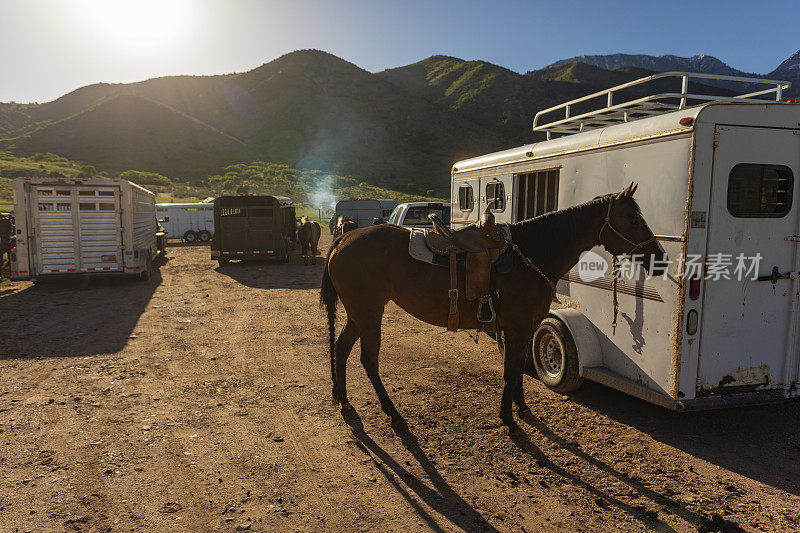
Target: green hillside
{"points": [[400, 129], [313, 188], [307, 109]]}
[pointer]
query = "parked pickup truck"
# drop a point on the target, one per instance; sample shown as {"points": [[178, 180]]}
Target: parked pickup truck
{"points": [[415, 214]]}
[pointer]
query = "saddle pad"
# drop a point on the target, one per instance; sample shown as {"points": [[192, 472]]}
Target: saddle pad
{"points": [[417, 248]]}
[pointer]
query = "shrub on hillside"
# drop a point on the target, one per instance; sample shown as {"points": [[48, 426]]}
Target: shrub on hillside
{"points": [[145, 178]]}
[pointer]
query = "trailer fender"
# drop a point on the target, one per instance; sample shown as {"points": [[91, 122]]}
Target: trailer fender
{"points": [[584, 334]]}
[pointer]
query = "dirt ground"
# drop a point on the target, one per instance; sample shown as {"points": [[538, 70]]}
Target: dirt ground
{"points": [[200, 401]]}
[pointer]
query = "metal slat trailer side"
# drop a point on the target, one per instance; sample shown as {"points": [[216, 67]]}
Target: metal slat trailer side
{"points": [[82, 226]]}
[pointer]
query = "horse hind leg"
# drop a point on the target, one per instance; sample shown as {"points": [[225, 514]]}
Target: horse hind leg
{"points": [[370, 348], [344, 345]]}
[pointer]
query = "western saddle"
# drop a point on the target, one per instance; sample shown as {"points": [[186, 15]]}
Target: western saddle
{"points": [[483, 246]]}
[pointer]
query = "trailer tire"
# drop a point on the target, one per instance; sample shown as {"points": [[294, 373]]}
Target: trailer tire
{"points": [[148, 269], [555, 356], [190, 237], [204, 236]]}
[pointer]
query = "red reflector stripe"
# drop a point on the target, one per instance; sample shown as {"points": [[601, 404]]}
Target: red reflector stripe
{"points": [[106, 268], [71, 270], [129, 268]]}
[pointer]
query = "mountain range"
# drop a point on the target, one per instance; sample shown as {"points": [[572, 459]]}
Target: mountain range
{"points": [[310, 109]]}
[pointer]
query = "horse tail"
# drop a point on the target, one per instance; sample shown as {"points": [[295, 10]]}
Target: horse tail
{"points": [[328, 299]]}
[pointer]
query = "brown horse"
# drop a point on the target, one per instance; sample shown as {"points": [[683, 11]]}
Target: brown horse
{"points": [[368, 268], [308, 235], [345, 224]]}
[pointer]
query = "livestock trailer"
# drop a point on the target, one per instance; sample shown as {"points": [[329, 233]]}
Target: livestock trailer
{"points": [[88, 226], [364, 211], [253, 227], [716, 182], [191, 222]]}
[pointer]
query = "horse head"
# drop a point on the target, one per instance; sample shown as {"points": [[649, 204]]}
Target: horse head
{"points": [[625, 231]]}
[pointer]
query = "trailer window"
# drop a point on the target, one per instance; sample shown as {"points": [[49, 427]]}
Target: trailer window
{"points": [[88, 207], [62, 193], [86, 192], [106, 207], [538, 194], [466, 197], [46, 207], [63, 207], [760, 191], [495, 196], [105, 193]]}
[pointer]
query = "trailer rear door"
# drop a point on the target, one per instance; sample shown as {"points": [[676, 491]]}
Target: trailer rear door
{"points": [[75, 229], [749, 326]]}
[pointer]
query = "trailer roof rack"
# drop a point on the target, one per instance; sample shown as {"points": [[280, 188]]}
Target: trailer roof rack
{"points": [[654, 104]]}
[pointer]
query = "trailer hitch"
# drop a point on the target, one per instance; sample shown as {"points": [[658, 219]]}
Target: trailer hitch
{"points": [[775, 275]]}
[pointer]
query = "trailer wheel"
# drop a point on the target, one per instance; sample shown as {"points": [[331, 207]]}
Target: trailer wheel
{"points": [[148, 270], [555, 356], [204, 236], [190, 236]]}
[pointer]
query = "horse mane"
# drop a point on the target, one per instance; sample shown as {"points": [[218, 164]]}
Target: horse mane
{"points": [[551, 232]]}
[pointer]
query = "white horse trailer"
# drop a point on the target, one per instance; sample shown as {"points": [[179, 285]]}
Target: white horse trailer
{"points": [[716, 182], [96, 226], [190, 222]]}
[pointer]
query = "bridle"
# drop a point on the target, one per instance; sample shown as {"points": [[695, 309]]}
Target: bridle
{"points": [[615, 258], [607, 222]]}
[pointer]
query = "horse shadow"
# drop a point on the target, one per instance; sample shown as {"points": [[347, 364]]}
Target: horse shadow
{"points": [[758, 442], [649, 520], [442, 498], [72, 317], [272, 274]]}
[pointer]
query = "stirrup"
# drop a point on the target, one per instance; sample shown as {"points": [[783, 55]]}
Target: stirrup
{"points": [[486, 313]]}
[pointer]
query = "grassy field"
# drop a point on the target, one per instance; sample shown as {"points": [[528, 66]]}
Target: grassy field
{"points": [[308, 188]]}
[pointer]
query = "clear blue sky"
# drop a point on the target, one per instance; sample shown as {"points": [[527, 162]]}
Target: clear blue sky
{"points": [[50, 47]]}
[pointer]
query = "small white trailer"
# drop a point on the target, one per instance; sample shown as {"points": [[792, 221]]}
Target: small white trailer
{"points": [[191, 222], [716, 179], [364, 211], [93, 226]]}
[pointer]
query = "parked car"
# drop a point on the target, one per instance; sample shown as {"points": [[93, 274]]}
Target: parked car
{"points": [[415, 214]]}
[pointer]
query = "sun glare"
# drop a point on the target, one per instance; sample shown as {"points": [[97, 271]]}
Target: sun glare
{"points": [[139, 23]]}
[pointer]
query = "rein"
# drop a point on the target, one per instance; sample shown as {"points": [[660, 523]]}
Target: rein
{"points": [[615, 259], [528, 263]]}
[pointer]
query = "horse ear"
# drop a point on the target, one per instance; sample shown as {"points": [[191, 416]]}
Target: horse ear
{"points": [[633, 190], [626, 192]]}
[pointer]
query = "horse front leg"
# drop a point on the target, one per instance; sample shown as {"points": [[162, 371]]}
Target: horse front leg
{"points": [[516, 343]]}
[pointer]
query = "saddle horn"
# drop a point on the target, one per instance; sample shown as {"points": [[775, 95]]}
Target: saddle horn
{"points": [[439, 226]]}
